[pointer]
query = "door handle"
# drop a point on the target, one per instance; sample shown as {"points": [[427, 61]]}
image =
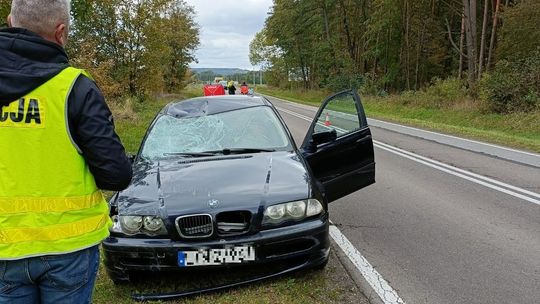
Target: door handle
{"points": [[363, 139]]}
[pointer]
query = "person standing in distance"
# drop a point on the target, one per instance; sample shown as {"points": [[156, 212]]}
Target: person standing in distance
{"points": [[58, 148], [232, 89]]}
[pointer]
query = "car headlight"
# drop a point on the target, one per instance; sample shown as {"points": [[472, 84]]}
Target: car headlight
{"points": [[275, 212], [131, 225], [152, 224], [314, 207], [292, 211], [296, 210]]}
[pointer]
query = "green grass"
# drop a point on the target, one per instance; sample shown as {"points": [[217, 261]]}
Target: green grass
{"points": [[305, 287], [312, 286], [466, 119], [132, 130]]}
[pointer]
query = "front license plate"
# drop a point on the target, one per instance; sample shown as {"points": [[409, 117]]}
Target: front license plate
{"points": [[210, 257]]}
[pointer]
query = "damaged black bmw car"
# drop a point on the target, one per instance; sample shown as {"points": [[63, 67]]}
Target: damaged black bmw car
{"points": [[219, 182]]}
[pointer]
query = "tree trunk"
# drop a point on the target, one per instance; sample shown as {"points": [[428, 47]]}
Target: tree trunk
{"points": [[362, 42], [469, 11], [483, 39], [474, 34], [375, 61], [326, 25], [493, 32], [350, 45], [473, 21], [418, 54], [461, 42], [328, 38], [407, 46]]}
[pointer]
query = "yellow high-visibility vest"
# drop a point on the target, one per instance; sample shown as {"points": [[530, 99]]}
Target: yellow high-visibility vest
{"points": [[49, 201]]}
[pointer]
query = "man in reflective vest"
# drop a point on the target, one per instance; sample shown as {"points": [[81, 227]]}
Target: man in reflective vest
{"points": [[58, 147]]}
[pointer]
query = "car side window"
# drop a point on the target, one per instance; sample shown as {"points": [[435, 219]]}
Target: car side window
{"points": [[340, 114]]}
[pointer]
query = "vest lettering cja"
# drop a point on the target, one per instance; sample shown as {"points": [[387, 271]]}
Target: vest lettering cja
{"points": [[22, 114]]}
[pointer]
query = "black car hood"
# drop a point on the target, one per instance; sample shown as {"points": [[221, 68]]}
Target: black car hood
{"points": [[236, 182]]}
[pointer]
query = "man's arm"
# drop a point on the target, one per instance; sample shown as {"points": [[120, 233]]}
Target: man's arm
{"points": [[92, 129]]}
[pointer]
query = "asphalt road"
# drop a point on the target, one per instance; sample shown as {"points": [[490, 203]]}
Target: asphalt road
{"points": [[442, 236]]}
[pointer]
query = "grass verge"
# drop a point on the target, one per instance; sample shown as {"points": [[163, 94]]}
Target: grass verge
{"points": [[311, 286], [330, 285], [466, 118]]}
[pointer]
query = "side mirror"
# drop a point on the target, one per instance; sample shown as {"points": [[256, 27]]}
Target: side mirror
{"points": [[322, 138]]}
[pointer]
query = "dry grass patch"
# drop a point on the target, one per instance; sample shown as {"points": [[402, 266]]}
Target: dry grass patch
{"points": [[123, 109]]}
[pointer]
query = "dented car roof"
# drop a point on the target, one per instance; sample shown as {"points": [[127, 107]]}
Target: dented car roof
{"points": [[210, 105]]}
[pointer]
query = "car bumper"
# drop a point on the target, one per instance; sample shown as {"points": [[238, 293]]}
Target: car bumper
{"points": [[306, 243]]}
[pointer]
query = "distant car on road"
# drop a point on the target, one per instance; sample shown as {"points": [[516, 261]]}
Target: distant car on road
{"points": [[219, 182]]}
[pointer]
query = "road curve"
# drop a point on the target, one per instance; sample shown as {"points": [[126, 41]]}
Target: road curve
{"points": [[435, 232]]}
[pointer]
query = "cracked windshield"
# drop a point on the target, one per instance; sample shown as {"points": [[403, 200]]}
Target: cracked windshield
{"points": [[251, 128]]}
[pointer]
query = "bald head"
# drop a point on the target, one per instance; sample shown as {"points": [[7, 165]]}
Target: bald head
{"points": [[48, 18]]}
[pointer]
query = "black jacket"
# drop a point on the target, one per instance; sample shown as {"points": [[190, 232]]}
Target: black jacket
{"points": [[26, 62]]}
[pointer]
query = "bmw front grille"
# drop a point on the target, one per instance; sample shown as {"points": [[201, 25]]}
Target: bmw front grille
{"points": [[195, 226]]}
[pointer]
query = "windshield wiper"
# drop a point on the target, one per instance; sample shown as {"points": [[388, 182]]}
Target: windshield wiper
{"points": [[191, 154], [225, 151], [228, 151]]}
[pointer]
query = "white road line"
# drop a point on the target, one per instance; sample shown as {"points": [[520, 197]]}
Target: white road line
{"points": [[387, 294], [471, 179], [294, 114], [293, 104], [458, 138], [474, 175], [470, 176]]}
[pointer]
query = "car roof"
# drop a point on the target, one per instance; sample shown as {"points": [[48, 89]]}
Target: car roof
{"points": [[209, 105]]}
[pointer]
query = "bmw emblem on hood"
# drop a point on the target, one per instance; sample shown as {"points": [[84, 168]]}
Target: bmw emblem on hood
{"points": [[213, 203]]}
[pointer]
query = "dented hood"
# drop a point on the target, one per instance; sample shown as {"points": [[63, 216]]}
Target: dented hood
{"points": [[236, 182]]}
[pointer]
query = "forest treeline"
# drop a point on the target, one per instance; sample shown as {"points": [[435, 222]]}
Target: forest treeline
{"points": [[488, 48], [134, 48]]}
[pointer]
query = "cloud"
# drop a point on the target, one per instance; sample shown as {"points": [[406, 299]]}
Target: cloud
{"points": [[227, 28]]}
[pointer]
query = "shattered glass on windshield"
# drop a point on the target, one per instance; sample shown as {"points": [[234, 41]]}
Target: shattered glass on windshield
{"points": [[254, 128]]}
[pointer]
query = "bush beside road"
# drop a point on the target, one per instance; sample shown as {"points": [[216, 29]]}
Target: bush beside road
{"points": [[428, 110]]}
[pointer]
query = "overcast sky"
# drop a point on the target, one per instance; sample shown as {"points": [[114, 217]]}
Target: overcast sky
{"points": [[227, 28]]}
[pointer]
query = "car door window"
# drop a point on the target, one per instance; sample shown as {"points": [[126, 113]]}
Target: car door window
{"points": [[340, 114], [339, 148]]}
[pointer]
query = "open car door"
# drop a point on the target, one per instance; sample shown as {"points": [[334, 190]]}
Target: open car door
{"points": [[338, 146]]}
